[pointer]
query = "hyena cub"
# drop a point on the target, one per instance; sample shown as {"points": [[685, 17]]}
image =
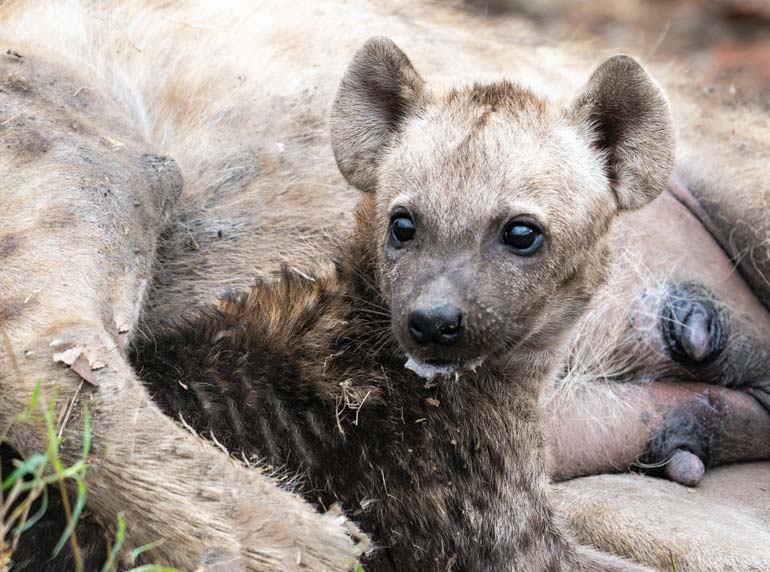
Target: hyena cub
{"points": [[403, 384]]}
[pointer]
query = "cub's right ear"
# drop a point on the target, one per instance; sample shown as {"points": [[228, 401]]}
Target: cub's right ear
{"points": [[379, 90]]}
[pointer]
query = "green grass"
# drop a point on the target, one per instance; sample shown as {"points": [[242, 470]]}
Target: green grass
{"points": [[31, 480]]}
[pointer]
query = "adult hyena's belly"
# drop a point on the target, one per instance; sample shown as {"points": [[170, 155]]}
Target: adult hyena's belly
{"points": [[671, 369], [677, 307]]}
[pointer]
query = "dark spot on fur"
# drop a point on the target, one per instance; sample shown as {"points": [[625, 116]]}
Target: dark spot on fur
{"points": [[16, 84], [158, 163], [10, 310], [238, 178], [59, 217], [79, 127], [9, 244], [28, 144]]}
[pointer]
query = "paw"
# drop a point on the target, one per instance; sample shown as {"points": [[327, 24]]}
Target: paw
{"points": [[291, 536]]}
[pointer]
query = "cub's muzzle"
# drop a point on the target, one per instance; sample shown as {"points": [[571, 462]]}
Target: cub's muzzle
{"points": [[442, 325]]}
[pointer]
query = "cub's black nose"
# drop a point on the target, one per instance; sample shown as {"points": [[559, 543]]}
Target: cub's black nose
{"points": [[443, 325]]}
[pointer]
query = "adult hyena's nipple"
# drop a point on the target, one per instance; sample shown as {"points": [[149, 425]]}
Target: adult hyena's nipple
{"points": [[694, 328]]}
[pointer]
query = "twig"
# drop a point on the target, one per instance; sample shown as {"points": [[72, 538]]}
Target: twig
{"points": [[69, 410]]}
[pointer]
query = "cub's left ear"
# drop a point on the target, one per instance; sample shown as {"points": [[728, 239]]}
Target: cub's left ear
{"points": [[631, 120]]}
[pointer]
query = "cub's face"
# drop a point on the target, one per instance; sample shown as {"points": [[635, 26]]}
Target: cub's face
{"points": [[491, 216], [492, 206]]}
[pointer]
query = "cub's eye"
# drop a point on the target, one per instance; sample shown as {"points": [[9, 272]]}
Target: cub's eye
{"points": [[401, 230], [523, 237]]}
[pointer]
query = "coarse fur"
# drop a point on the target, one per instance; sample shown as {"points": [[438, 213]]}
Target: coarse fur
{"points": [[239, 98], [303, 374], [85, 200], [308, 372]]}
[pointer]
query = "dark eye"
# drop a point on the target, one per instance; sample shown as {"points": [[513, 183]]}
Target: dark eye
{"points": [[401, 230], [523, 237]]}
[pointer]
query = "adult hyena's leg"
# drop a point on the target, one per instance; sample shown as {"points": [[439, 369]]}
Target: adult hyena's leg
{"points": [[83, 199]]}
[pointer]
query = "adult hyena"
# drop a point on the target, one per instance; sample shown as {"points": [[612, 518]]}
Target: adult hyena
{"points": [[240, 101], [85, 197]]}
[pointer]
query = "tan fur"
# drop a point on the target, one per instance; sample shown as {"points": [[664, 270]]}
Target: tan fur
{"points": [[239, 98], [718, 526], [81, 215], [462, 165], [465, 163]]}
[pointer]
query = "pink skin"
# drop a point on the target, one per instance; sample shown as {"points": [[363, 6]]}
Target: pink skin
{"points": [[607, 442], [685, 468], [592, 433], [668, 243]]}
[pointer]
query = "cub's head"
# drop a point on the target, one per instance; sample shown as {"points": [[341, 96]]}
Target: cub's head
{"points": [[490, 206]]}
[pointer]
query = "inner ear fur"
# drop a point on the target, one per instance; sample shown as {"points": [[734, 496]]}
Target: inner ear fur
{"points": [[378, 91], [630, 118]]}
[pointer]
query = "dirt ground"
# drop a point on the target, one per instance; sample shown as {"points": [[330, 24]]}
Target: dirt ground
{"points": [[722, 40]]}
